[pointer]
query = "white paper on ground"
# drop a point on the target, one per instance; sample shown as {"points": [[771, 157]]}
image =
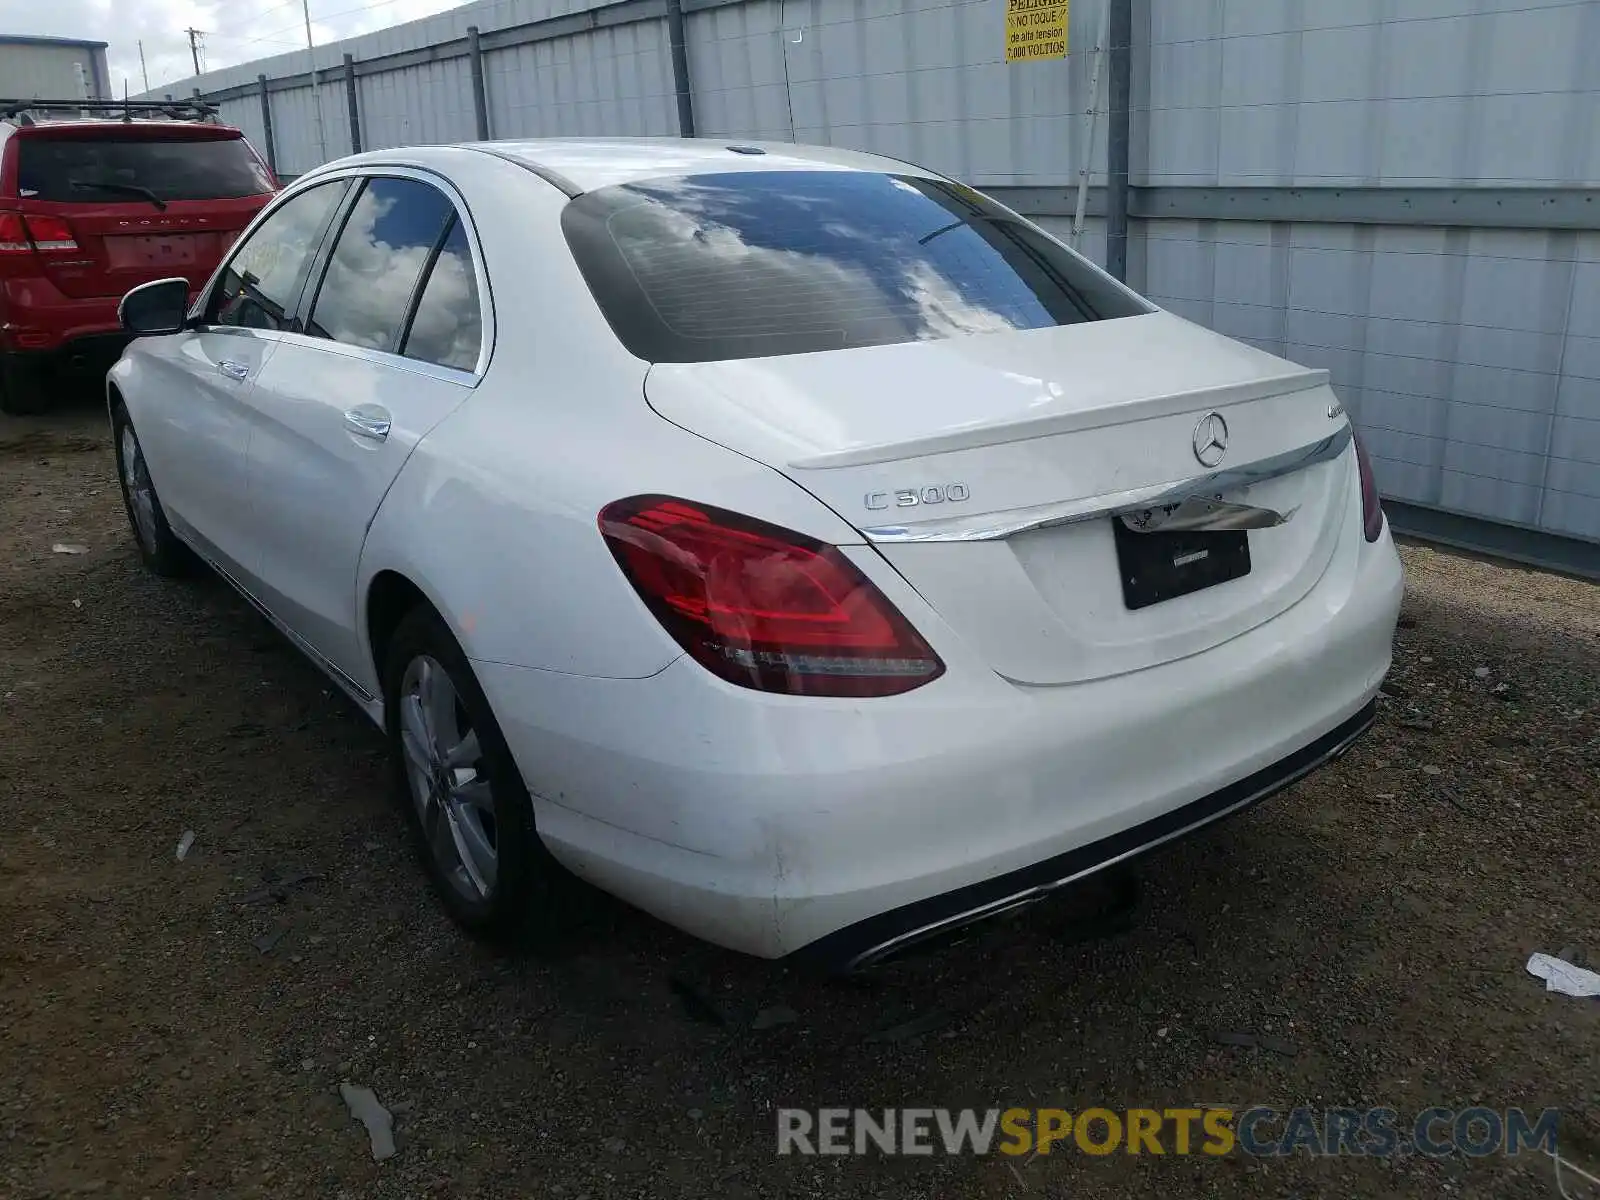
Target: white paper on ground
{"points": [[1561, 976], [365, 1107]]}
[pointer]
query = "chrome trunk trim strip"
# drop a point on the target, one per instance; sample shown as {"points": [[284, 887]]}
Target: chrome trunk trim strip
{"points": [[990, 527]]}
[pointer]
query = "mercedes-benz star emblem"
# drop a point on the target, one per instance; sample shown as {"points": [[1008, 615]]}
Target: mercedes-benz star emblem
{"points": [[1210, 439]]}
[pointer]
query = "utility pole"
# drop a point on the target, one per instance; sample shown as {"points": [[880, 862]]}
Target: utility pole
{"points": [[142, 70], [194, 48], [316, 92]]}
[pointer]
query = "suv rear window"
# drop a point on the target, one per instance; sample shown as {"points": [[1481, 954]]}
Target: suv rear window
{"points": [[748, 264], [115, 170]]}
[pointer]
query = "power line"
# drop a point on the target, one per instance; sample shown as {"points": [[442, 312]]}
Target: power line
{"points": [[272, 9], [345, 12], [247, 41], [271, 37]]}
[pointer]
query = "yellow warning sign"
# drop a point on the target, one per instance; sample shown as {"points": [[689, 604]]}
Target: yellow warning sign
{"points": [[1035, 29]]}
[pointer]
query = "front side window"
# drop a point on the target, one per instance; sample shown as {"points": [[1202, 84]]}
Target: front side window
{"points": [[372, 274], [448, 326], [259, 286], [745, 264]]}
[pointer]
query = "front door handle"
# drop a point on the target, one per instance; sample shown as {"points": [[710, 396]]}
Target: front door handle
{"points": [[233, 370], [368, 421]]}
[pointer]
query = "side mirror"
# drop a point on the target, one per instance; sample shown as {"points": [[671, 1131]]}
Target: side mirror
{"points": [[153, 308]]}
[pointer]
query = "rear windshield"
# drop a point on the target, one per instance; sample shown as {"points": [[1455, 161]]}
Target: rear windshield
{"points": [[744, 265], [119, 170]]}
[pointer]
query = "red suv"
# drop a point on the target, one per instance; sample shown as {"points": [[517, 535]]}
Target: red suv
{"points": [[92, 204]]}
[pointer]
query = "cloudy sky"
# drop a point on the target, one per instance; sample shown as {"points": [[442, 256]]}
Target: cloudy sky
{"points": [[235, 30]]}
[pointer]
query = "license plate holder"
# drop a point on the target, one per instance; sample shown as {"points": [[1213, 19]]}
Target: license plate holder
{"points": [[153, 250], [1164, 565]]}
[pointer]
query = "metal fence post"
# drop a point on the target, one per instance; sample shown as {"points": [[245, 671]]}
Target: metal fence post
{"points": [[680, 68], [1120, 91], [266, 125], [350, 103], [480, 95]]}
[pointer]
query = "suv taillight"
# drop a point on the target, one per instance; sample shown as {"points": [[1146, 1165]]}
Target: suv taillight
{"points": [[761, 606], [13, 237], [50, 234], [1371, 510], [21, 234]]}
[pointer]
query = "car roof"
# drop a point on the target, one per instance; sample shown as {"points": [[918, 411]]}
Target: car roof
{"points": [[578, 165], [11, 128], [110, 124], [591, 163]]}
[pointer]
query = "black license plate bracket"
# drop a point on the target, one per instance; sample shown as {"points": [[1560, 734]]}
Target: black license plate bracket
{"points": [[1163, 565]]}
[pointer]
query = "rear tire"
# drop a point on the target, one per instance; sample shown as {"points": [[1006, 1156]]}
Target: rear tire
{"points": [[469, 811], [159, 547]]}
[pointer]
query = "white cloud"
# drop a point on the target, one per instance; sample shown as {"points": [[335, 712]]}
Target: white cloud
{"points": [[944, 310], [369, 284], [236, 31], [368, 280], [448, 326], [910, 286]]}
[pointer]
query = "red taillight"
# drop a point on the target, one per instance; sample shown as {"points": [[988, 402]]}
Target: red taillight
{"points": [[13, 237], [24, 234], [1371, 510], [762, 606], [50, 234]]}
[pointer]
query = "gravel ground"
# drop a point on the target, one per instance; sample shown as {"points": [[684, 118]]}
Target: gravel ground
{"points": [[1376, 918]]}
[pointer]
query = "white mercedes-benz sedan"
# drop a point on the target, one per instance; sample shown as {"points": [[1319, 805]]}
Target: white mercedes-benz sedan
{"points": [[795, 543]]}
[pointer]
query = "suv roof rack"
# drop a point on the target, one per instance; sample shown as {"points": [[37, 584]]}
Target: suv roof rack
{"points": [[178, 110]]}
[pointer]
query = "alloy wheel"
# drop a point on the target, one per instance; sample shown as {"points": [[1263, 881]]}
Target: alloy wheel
{"points": [[141, 493], [448, 779]]}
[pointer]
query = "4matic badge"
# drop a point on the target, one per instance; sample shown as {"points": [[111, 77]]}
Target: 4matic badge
{"points": [[940, 493]]}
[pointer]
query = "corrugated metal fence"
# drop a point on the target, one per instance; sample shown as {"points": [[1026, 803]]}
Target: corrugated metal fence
{"points": [[1404, 191]]}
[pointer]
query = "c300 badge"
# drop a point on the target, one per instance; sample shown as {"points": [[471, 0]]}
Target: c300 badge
{"points": [[939, 493]]}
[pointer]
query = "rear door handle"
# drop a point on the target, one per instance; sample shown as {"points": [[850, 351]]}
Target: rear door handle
{"points": [[233, 370], [368, 421]]}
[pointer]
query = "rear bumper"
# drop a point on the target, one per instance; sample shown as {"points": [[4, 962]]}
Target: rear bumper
{"points": [[48, 338], [90, 355], [38, 318], [31, 379], [835, 830], [888, 933]]}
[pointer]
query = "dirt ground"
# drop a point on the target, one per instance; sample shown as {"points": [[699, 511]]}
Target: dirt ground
{"points": [[1375, 918]]}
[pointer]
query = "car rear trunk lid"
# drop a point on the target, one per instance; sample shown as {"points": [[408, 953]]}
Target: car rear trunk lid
{"points": [[985, 469]]}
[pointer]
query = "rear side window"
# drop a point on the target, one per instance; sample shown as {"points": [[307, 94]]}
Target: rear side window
{"points": [[126, 170], [741, 265], [448, 326], [261, 282], [385, 245]]}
